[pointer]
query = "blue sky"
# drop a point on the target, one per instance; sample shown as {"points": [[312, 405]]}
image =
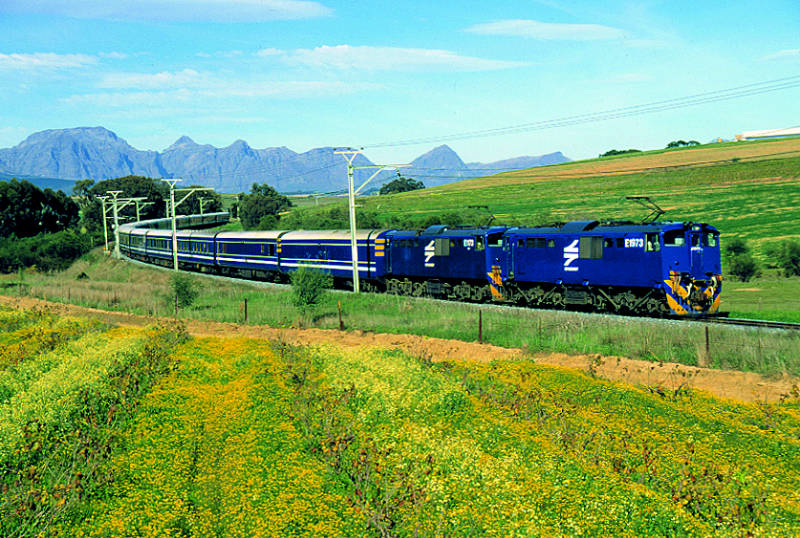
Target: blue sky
{"points": [[384, 74]]}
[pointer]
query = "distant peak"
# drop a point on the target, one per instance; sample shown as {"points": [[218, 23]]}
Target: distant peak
{"points": [[182, 142]]}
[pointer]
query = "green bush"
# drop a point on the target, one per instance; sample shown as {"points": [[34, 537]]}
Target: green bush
{"points": [[48, 252], [185, 290], [735, 246], [309, 286], [743, 266], [787, 256]]}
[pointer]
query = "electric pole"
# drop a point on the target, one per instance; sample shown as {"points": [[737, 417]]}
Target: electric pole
{"points": [[350, 155]]}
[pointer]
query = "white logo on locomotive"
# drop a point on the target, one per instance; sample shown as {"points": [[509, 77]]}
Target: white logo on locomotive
{"points": [[571, 254], [429, 252]]}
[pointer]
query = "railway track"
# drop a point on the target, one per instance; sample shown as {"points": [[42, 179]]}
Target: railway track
{"points": [[759, 324]]}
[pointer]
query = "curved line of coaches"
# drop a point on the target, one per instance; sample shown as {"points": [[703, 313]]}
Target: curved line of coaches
{"points": [[677, 264]]}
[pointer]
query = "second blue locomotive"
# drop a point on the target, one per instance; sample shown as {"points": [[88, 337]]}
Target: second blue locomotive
{"points": [[657, 269]]}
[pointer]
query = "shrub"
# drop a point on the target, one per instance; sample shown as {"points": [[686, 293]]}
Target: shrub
{"points": [[787, 255], [308, 287], [185, 290], [736, 246], [742, 266]]}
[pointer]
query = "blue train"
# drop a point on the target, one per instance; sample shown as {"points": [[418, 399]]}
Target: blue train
{"points": [[655, 268]]}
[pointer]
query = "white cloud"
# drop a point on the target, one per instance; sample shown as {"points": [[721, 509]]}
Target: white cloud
{"points": [[168, 89], [547, 31], [270, 52], [173, 10], [187, 77], [45, 60], [114, 55], [790, 54], [392, 59]]}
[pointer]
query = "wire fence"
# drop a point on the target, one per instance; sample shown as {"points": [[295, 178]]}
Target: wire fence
{"points": [[766, 351]]}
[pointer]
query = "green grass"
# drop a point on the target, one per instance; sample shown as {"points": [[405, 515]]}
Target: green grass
{"points": [[119, 285]]}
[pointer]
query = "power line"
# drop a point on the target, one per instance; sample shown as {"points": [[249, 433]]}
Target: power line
{"points": [[650, 108]]}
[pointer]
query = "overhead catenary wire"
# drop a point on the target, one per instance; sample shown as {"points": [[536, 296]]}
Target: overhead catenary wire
{"points": [[650, 108], [569, 121]]}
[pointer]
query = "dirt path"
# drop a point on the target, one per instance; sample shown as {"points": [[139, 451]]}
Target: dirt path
{"points": [[667, 377]]}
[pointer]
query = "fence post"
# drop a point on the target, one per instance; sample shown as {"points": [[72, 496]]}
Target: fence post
{"points": [[341, 323], [245, 310], [480, 326]]}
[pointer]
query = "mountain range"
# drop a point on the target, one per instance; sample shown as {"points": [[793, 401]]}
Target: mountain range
{"points": [[60, 156]]}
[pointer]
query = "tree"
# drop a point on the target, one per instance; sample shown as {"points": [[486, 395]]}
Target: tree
{"points": [[743, 267], [682, 143], [212, 202], [735, 246], [26, 210], [741, 263], [612, 152], [401, 184], [262, 201], [787, 256], [153, 191]]}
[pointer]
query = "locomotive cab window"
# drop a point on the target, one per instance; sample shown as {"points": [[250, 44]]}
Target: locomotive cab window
{"points": [[710, 240], [479, 242], [674, 238], [651, 243]]}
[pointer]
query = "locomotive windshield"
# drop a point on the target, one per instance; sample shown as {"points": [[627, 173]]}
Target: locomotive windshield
{"points": [[674, 238]]}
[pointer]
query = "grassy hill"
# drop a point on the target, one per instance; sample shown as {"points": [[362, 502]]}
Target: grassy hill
{"points": [[746, 189]]}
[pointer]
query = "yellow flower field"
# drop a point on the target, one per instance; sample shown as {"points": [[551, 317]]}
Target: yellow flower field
{"points": [[213, 452], [230, 437]]}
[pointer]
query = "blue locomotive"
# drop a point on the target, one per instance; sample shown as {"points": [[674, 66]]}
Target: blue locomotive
{"points": [[654, 268]]}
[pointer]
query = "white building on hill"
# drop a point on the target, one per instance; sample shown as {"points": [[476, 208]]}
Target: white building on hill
{"points": [[771, 133]]}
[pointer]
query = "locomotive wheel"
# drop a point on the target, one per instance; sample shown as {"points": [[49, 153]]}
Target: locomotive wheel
{"points": [[419, 290], [392, 287], [557, 299], [480, 293], [625, 301], [462, 291], [658, 308], [405, 287]]}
